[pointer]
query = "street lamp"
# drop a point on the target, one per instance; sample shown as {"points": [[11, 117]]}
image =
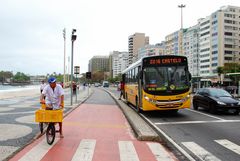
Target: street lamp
{"points": [[73, 38], [181, 6], [64, 70]]}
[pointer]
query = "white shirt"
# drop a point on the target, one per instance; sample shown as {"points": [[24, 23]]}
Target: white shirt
{"points": [[42, 86], [53, 97]]}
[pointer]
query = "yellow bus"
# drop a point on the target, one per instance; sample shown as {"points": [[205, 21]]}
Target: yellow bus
{"points": [[158, 83]]}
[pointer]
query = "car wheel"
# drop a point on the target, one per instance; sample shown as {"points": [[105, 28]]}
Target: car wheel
{"points": [[195, 106], [212, 109], [236, 112]]}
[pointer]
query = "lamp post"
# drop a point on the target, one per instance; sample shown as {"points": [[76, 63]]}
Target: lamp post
{"points": [[181, 6], [64, 58], [73, 38]]}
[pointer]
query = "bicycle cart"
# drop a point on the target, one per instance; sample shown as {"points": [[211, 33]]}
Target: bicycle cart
{"points": [[49, 117]]}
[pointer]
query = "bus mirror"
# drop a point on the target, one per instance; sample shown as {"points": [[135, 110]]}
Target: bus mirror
{"points": [[141, 74], [190, 76]]}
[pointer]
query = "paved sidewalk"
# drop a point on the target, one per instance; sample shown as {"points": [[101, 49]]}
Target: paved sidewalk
{"points": [[20, 119]]}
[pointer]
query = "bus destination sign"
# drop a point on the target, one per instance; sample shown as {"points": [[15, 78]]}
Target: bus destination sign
{"points": [[164, 61]]}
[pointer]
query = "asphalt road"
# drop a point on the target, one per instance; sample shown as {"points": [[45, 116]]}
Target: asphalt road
{"points": [[202, 135]]}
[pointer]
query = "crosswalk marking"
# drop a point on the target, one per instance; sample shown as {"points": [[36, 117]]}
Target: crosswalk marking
{"points": [[85, 150], [229, 145], [200, 152], [159, 152], [37, 153], [127, 151]]}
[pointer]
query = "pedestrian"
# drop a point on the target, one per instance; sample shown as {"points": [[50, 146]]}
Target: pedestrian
{"points": [[121, 86], [42, 85], [54, 97], [74, 87]]}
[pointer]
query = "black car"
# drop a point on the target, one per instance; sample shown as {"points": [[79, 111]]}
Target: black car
{"points": [[216, 99]]}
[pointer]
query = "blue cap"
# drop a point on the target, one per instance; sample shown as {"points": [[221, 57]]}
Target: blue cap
{"points": [[51, 80]]}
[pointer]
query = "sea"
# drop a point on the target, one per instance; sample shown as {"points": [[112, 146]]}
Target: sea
{"points": [[8, 88]]}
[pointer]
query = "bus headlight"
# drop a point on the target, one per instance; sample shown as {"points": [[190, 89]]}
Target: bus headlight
{"points": [[149, 99], [185, 98]]}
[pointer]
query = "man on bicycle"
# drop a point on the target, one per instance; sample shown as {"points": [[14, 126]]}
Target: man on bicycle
{"points": [[54, 97]]}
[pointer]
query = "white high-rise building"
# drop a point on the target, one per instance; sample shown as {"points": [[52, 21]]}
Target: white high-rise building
{"points": [[190, 48], [151, 50], [219, 40], [119, 62]]}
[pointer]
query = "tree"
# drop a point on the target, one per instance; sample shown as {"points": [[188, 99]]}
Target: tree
{"points": [[21, 78], [5, 75]]}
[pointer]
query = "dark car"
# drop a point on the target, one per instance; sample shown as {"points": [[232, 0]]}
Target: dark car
{"points": [[216, 99]]}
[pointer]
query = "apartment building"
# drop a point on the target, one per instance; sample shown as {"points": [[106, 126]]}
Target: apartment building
{"points": [[190, 49], [219, 40], [151, 50], [119, 62], [173, 43], [135, 42], [99, 63]]}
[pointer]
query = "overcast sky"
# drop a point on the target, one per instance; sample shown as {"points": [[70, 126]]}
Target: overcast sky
{"points": [[31, 39]]}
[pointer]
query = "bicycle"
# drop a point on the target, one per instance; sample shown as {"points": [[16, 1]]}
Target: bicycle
{"points": [[48, 117]]}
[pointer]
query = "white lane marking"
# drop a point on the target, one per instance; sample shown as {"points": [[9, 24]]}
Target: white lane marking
{"points": [[85, 150], [159, 152], [195, 122], [200, 152], [190, 158], [229, 145], [205, 114], [127, 151], [38, 152]]}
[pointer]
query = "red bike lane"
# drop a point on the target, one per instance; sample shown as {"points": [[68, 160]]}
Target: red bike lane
{"points": [[95, 133]]}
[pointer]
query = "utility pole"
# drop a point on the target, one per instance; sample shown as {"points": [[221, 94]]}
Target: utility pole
{"points": [[73, 38]]}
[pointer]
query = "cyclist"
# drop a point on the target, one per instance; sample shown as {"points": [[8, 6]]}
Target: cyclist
{"points": [[54, 97], [42, 86]]}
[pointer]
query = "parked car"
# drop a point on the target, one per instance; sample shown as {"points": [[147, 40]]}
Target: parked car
{"points": [[216, 99]]}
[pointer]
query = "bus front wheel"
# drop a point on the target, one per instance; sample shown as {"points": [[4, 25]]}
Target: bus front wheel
{"points": [[139, 110]]}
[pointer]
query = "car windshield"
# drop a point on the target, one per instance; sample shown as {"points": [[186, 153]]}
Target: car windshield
{"points": [[219, 93]]}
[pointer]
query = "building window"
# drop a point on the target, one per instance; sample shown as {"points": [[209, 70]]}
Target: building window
{"points": [[227, 52], [228, 46], [228, 58], [228, 33]]}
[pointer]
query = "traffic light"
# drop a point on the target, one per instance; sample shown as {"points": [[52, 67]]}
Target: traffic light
{"points": [[88, 75]]}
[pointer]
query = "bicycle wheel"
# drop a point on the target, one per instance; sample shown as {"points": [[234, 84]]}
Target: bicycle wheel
{"points": [[41, 127], [50, 133]]}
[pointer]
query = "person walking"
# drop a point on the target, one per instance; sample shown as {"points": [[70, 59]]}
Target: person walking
{"points": [[54, 98], [121, 87]]}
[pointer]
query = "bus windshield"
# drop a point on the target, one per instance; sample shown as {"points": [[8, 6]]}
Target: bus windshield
{"points": [[165, 80]]}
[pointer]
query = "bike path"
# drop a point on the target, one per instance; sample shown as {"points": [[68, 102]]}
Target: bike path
{"points": [[95, 133]]}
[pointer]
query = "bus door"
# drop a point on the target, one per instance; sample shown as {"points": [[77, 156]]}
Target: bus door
{"points": [[139, 78], [124, 82]]}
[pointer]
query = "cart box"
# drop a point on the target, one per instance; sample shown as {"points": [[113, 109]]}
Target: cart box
{"points": [[42, 115]]}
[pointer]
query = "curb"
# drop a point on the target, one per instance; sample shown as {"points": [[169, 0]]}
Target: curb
{"points": [[140, 128]]}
